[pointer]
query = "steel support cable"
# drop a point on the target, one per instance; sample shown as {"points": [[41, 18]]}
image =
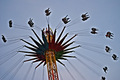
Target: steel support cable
{"points": [[16, 71], [83, 78], [87, 48], [37, 27], [71, 33], [47, 19], [61, 78], [70, 73], [85, 35], [88, 67], [89, 59], [18, 39], [10, 52], [59, 25], [14, 42], [43, 74], [89, 44], [82, 34], [75, 21], [11, 43], [6, 59], [33, 76], [98, 35], [21, 27], [9, 57], [101, 34], [27, 72], [11, 68], [82, 30]]}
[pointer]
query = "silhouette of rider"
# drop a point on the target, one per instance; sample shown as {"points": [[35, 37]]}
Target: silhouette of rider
{"points": [[94, 30], [66, 20], [109, 35], [105, 69], [10, 23], [114, 56], [107, 49], [3, 38], [30, 22], [85, 16], [103, 78], [47, 11]]}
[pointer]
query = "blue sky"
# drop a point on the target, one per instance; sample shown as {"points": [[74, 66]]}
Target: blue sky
{"points": [[104, 15]]}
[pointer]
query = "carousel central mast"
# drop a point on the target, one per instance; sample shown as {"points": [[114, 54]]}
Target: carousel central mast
{"points": [[50, 58], [51, 65]]}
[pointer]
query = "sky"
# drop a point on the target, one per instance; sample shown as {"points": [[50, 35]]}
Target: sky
{"points": [[104, 15]]}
